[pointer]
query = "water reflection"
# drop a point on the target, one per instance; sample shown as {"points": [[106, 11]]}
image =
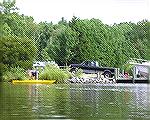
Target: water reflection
{"points": [[75, 101], [96, 102], [140, 103], [34, 97]]}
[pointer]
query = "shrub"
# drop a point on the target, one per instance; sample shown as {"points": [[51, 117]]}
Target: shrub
{"points": [[128, 68], [1, 72], [15, 73], [78, 73], [54, 73]]}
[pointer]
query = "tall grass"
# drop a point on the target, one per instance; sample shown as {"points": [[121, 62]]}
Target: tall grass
{"points": [[15, 73], [54, 73], [79, 73]]}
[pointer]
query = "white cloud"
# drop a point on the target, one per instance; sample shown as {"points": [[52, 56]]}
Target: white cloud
{"points": [[109, 11]]}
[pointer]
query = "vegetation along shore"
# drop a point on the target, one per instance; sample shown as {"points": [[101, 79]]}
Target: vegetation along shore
{"points": [[24, 41]]}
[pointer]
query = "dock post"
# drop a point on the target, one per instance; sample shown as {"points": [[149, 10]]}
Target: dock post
{"points": [[148, 74], [116, 73], [134, 74], [98, 75]]}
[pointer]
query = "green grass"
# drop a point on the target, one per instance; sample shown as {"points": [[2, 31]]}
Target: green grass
{"points": [[15, 73], [79, 73], [54, 73]]}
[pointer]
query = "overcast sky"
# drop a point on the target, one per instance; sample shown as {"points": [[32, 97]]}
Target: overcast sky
{"points": [[109, 11]]}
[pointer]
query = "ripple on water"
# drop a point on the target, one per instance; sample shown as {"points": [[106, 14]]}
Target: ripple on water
{"points": [[56, 117], [127, 101]]}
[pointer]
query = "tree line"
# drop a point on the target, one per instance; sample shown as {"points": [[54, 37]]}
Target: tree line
{"points": [[24, 41]]}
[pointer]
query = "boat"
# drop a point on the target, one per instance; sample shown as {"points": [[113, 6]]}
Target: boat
{"points": [[33, 81]]}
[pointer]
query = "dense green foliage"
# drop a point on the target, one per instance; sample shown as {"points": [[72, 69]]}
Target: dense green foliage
{"points": [[16, 73], [54, 73], [23, 41]]}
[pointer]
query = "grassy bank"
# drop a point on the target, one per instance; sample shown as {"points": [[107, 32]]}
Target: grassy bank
{"points": [[15, 73], [54, 73], [50, 72]]}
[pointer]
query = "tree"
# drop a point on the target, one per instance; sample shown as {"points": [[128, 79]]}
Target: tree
{"points": [[44, 34], [7, 6], [17, 52], [124, 49], [60, 48], [93, 41]]}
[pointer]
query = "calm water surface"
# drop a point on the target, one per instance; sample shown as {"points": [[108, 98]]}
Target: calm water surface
{"points": [[75, 101]]}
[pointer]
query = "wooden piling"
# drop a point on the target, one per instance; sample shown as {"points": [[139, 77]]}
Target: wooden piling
{"points": [[148, 74], [134, 74], [116, 73]]}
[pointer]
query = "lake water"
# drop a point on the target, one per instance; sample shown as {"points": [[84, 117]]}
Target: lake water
{"points": [[75, 102]]}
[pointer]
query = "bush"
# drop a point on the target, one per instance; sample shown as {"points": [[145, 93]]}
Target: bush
{"points": [[79, 73], [54, 73], [1, 72], [16, 51], [128, 68], [16, 73]]}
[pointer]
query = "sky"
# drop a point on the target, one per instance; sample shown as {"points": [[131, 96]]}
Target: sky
{"points": [[108, 11]]}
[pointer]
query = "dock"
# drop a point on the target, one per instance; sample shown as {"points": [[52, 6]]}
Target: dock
{"points": [[140, 80], [133, 78]]}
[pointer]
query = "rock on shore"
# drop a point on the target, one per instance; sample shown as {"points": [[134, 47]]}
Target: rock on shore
{"points": [[91, 80]]}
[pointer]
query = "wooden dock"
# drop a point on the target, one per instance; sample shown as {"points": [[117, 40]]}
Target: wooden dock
{"points": [[131, 79], [140, 80]]}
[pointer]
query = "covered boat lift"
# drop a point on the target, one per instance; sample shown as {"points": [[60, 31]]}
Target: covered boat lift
{"points": [[140, 72]]}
